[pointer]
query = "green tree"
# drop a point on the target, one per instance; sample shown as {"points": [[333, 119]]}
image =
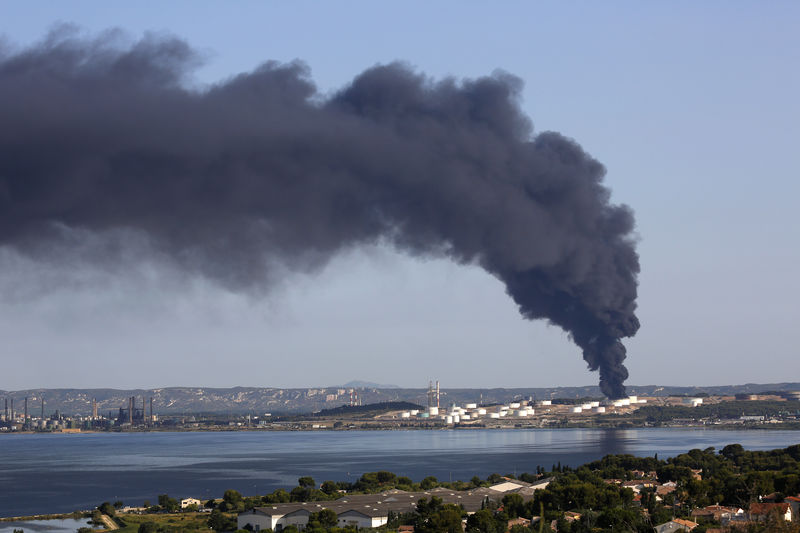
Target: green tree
{"points": [[386, 477], [278, 496], [484, 521], [445, 519], [306, 481], [325, 519], [329, 487], [167, 503], [514, 505], [429, 482], [107, 508], [232, 501], [220, 522]]}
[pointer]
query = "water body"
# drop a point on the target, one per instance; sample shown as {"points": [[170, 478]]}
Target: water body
{"points": [[44, 526], [61, 473]]}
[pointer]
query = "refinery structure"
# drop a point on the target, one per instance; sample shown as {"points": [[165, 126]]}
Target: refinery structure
{"points": [[355, 408], [521, 409], [130, 415]]}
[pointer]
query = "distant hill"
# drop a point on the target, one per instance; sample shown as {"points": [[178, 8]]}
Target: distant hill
{"points": [[356, 384], [259, 400]]}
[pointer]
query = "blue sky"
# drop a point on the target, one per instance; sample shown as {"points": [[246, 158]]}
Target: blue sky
{"points": [[691, 106]]}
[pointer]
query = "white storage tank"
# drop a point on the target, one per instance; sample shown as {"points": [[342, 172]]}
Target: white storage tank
{"points": [[633, 399], [594, 404], [521, 412], [433, 410], [625, 401], [599, 409], [494, 415], [576, 410], [481, 411], [414, 412], [545, 402], [586, 406], [466, 417], [456, 419], [642, 401], [514, 405], [405, 414], [449, 419], [471, 406]]}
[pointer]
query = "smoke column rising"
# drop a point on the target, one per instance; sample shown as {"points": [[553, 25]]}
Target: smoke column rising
{"points": [[261, 173]]}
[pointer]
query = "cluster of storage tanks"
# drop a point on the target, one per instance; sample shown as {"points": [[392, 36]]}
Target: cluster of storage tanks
{"points": [[471, 411], [601, 407]]}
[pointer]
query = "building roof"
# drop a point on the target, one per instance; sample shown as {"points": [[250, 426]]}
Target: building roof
{"points": [[380, 504], [766, 508], [687, 523], [507, 486]]}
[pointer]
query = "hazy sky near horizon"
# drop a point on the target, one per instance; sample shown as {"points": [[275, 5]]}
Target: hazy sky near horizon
{"points": [[692, 107]]}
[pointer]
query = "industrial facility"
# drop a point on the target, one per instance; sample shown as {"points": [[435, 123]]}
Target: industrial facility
{"points": [[521, 409], [129, 415]]}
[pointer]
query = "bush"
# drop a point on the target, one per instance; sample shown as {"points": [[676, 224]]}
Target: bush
{"points": [[148, 527]]}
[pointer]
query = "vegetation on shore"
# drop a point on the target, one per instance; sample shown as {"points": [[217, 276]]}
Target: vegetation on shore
{"points": [[589, 498]]}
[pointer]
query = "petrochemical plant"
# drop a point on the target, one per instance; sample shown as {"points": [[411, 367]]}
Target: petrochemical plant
{"points": [[522, 409]]}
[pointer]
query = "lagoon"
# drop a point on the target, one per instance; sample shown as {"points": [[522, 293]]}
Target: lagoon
{"points": [[52, 473], [68, 525]]}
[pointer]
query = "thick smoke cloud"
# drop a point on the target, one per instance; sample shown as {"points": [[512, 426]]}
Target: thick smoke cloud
{"points": [[261, 173]]}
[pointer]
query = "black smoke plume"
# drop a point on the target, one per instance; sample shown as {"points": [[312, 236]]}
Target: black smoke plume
{"points": [[262, 171]]}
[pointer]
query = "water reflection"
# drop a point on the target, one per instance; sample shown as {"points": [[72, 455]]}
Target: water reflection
{"points": [[54, 473]]}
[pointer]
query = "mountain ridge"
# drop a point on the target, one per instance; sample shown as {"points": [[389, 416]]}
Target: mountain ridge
{"points": [[275, 400]]}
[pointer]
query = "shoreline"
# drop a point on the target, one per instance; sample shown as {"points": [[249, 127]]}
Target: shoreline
{"points": [[74, 515], [724, 427]]}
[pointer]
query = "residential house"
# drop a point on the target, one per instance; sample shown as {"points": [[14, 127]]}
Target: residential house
{"points": [[677, 524], [186, 502], [794, 503], [524, 522], [760, 511]]}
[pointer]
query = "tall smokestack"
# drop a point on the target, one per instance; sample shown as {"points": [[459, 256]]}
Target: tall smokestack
{"points": [[25, 416], [42, 406], [12, 409], [262, 173], [151, 410], [5, 413]]}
